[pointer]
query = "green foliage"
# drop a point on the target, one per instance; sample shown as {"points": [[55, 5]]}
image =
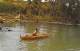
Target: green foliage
{"points": [[9, 8], [37, 9]]}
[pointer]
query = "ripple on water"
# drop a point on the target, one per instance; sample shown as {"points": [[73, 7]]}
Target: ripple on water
{"points": [[9, 41]]}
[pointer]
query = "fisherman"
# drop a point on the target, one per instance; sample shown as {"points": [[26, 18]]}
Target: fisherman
{"points": [[35, 33]]}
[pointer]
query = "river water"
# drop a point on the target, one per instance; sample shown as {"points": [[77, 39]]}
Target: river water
{"points": [[61, 38]]}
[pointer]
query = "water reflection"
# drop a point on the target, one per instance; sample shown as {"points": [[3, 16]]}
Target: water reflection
{"points": [[61, 38], [35, 45]]}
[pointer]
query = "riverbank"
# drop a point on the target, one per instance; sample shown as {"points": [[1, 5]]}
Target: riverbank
{"points": [[55, 22]]}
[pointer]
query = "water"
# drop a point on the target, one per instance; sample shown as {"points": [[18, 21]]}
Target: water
{"points": [[61, 38]]}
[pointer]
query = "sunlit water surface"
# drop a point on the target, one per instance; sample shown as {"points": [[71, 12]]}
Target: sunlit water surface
{"points": [[61, 38]]}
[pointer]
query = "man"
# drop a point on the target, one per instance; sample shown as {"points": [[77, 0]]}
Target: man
{"points": [[35, 33]]}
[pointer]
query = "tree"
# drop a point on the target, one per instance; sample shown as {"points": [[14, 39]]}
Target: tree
{"points": [[52, 4], [72, 9]]}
